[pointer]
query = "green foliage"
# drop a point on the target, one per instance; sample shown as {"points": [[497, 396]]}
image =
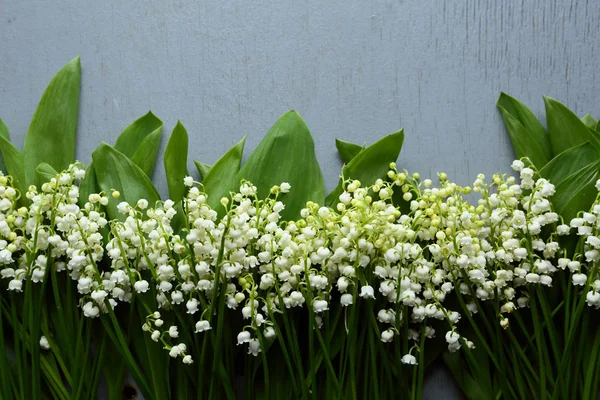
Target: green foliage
{"points": [[574, 144], [566, 130], [286, 154], [13, 160], [529, 137], [222, 176], [347, 150], [203, 169], [370, 164], [175, 160], [114, 171], [140, 142], [53, 128]]}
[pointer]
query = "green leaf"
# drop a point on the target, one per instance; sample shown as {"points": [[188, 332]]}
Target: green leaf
{"points": [[223, 175], [53, 129], [534, 130], [45, 172], [286, 154], [203, 169], [370, 164], [347, 150], [523, 144], [565, 128], [13, 160], [577, 192], [176, 155], [598, 127], [130, 139], [145, 155], [142, 135], [589, 121], [569, 161], [4, 133], [88, 184], [115, 171]]}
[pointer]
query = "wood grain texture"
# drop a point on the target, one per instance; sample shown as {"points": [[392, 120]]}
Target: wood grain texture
{"points": [[354, 69]]}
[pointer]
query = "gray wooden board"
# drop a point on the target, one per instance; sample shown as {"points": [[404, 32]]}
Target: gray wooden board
{"points": [[354, 69]]}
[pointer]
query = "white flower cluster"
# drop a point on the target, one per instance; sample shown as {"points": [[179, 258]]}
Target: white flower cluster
{"points": [[365, 249]]}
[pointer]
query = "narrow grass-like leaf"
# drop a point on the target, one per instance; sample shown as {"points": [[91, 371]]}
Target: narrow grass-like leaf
{"points": [[45, 172], [287, 154], [577, 192], [223, 175], [370, 164], [533, 128], [570, 161], [145, 155], [203, 169], [13, 160], [523, 143], [115, 171], [53, 129], [565, 128], [347, 150], [175, 160]]}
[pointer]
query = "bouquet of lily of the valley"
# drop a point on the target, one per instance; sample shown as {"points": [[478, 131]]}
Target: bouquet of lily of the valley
{"points": [[250, 281]]}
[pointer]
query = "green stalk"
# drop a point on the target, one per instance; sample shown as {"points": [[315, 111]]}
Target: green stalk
{"points": [[554, 343], [590, 388], [541, 347], [5, 368], [518, 377], [119, 340], [311, 351], [33, 325], [421, 366], [373, 360], [328, 363], [522, 356], [261, 341], [591, 371]]}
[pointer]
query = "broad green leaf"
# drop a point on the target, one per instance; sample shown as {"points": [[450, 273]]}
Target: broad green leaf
{"points": [[203, 169], [4, 133], [115, 171], [534, 129], [565, 128], [347, 150], [13, 160], [130, 139], [53, 129], [223, 175], [175, 159], [133, 141], [45, 172], [370, 164], [589, 121], [145, 155], [286, 154], [88, 184], [570, 161], [577, 192], [598, 127], [522, 142]]}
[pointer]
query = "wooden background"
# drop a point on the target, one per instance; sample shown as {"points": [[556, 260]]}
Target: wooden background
{"points": [[354, 69]]}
